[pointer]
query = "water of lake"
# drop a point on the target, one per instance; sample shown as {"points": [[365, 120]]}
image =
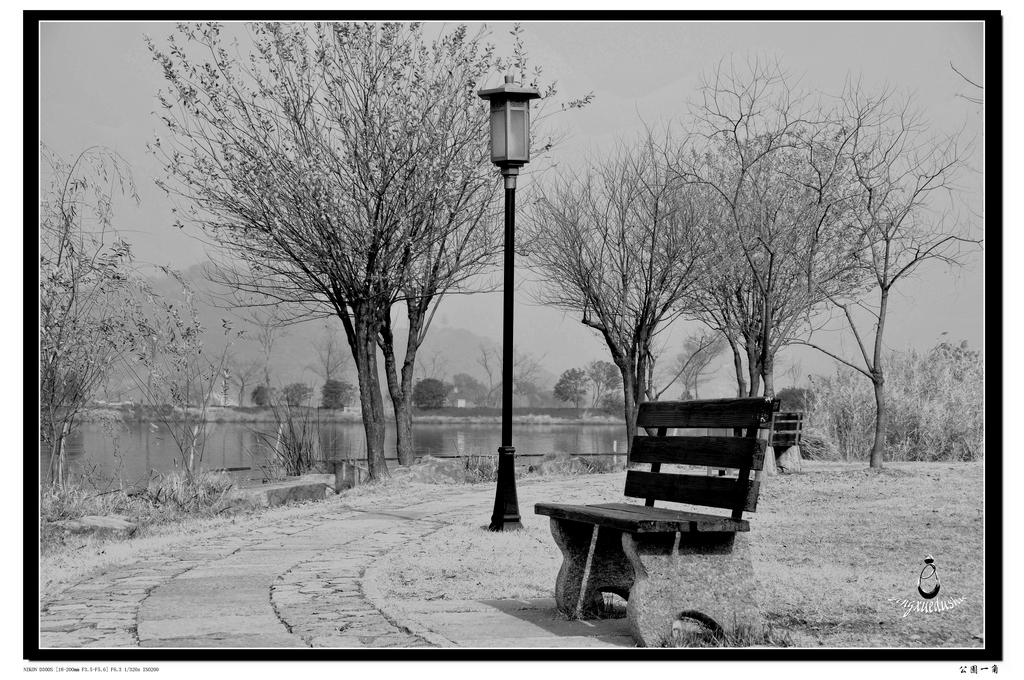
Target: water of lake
{"points": [[129, 451]]}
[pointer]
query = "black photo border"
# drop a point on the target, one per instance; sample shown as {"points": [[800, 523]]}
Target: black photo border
{"points": [[994, 465]]}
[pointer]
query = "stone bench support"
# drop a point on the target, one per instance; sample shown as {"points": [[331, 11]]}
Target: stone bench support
{"points": [[705, 576]]}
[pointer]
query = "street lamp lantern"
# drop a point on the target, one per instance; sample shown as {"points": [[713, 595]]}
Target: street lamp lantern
{"points": [[510, 125], [510, 150]]}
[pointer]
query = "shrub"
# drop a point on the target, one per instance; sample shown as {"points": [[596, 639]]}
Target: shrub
{"points": [[613, 403], [294, 449], [261, 396], [936, 407], [794, 398], [430, 393], [817, 445], [296, 394], [481, 468], [336, 394]]}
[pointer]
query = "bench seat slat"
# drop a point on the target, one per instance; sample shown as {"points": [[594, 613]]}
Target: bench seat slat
{"points": [[716, 492], [722, 452], [640, 519]]}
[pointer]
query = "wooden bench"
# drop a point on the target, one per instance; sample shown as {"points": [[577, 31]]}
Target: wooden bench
{"points": [[787, 428], [670, 564]]}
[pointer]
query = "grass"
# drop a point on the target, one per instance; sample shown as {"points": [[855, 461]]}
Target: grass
{"points": [[739, 636], [831, 548], [166, 498]]}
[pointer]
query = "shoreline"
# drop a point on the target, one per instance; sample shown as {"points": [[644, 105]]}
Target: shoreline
{"points": [[475, 416]]}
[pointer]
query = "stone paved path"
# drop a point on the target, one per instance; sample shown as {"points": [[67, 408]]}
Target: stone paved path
{"points": [[306, 582]]}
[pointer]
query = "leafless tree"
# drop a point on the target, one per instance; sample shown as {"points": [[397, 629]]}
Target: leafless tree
{"points": [[453, 206], [170, 368], [699, 350], [241, 372], [773, 159], [620, 245], [525, 371], [604, 377], [84, 322], [329, 169], [434, 366], [489, 359], [450, 208], [903, 179], [268, 325], [331, 359]]}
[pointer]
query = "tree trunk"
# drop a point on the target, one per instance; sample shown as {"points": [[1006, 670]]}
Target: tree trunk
{"points": [[881, 420], [632, 389], [400, 387], [400, 390], [630, 406], [768, 374], [737, 363], [370, 398], [753, 370], [878, 379], [403, 421]]}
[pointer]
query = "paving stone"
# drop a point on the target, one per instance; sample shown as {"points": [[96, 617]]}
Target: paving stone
{"points": [[60, 626], [212, 626]]}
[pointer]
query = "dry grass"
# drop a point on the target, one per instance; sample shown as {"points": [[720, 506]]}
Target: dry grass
{"points": [[167, 499], [830, 547], [739, 636]]}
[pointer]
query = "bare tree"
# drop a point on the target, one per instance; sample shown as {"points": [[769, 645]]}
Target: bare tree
{"points": [[454, 217], [773, 159], [899, 173], [604, 377], [452, 207], [320, 165], [434, 366], [699, 350], [341, 169], [241, 372], [268, 325], [620, 246], [170, 368], [84, 325], [331, 359], [724, 301], [489, 359], [525, 371]]}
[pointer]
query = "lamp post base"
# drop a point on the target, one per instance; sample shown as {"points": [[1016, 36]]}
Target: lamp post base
{"points": [[506, 502]]}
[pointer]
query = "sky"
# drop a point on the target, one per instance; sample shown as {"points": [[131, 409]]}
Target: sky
{"points": [[98, 85]]}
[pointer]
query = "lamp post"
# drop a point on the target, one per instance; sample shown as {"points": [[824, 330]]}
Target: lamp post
{"points": [[510, 150]]}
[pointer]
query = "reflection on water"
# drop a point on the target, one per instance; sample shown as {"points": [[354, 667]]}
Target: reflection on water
{"points": [[129, 451]]}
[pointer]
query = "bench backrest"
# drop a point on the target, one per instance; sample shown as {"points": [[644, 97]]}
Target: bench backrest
{"points": [[742, 453]]}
